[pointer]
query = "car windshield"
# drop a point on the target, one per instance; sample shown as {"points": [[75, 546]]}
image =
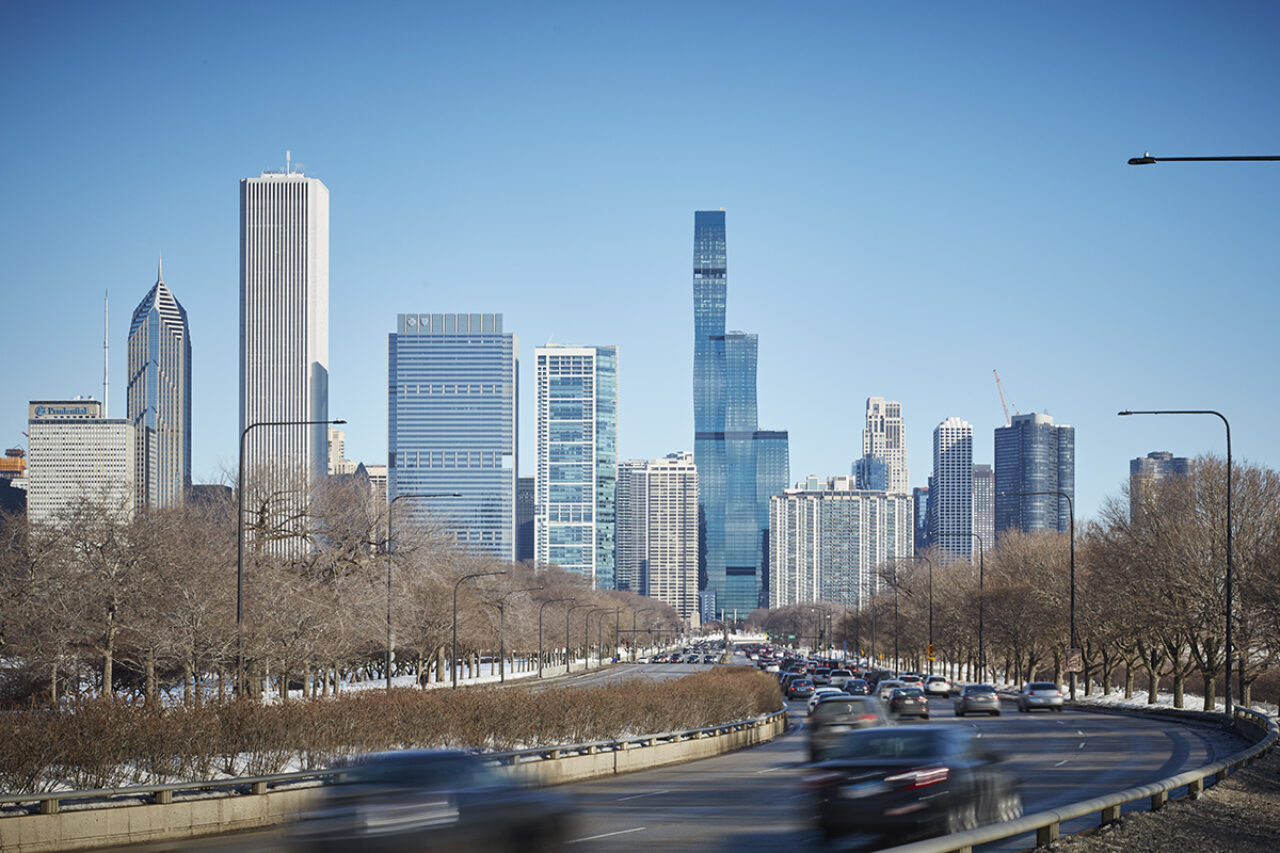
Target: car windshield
{"points": [[979, 688], [896, 742], [908, 692], [840, 672]]}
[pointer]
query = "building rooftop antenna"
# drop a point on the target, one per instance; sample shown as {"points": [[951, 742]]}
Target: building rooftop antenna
{"points": [[288, 155]]}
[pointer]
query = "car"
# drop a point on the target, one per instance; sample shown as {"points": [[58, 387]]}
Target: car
{"points": [[821, 676], [977, 699], [430, 799], [911, 678], [937, 685], [838, 715], [839, 677], [799, 688], [909, 702], [886, 687], [900, 781], [1040, 694], [857, 687], [819, 692]]}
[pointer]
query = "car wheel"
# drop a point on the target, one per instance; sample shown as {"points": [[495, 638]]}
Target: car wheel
{"points": [[995, 713], [961, 818], [959, 713], [1008, 806], [924, 716]]}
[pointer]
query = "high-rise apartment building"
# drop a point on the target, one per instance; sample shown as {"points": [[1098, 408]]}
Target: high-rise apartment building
{"points": [[1034, 455], [284, 327], [883, 466], [451, 425], [739, 466], [76, 456], [826, 541], [920, 506], [577, 459], [657, 530], [159, 397], [526, 504], [984, 507], [1147, 472], [338, 462], [951, 489]]}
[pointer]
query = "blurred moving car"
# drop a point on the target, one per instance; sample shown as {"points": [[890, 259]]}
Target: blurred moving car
{"points": [[431, 799], [909, 702], [937, 685], [835, 717], [819, 692], [977, 699], [1040, 694], [911, 781]]}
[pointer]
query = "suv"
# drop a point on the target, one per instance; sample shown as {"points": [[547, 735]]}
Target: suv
{"points": [[839, 677], [833, 718], [937, 685]]}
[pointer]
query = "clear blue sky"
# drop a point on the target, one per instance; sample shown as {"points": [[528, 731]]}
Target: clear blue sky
{"points": [[916, 194]]}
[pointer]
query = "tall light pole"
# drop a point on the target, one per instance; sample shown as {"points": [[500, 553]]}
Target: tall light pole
{"points": [[982, 656], [1071, 515], [567, 613], [1230, 615], [453, 664], [634, 614], [240, 536], [930, 654], [390, 504], [502, 623], [540, 610], [586, 633]]}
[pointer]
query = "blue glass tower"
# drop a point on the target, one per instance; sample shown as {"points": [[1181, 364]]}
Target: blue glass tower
{"points": [[1034, 455], [739, 466], [451, 425]]}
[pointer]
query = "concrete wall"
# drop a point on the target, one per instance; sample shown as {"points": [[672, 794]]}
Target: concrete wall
{"points": [[85, 829]]}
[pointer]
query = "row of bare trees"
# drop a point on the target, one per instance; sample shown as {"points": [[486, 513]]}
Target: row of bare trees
{"points": [[101, 603], [1149, 586]]}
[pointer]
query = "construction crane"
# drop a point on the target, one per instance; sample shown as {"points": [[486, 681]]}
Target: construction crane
{"points": [[1004, 404]]}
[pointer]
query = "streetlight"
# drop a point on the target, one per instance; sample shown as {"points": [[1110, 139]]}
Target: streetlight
{"points": [[634, 614], [1146, 160], [453, 664], [982, 657], [502, 619], [930, 654], [240, 536], [390, 504], [1071, 513], [586, 634], [540, 610], [1227, 703], [567, 613]]}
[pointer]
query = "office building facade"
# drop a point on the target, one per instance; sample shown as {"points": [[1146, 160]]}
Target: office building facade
{"points": [[1147, 472], [1034, 455], [451, 425], [577, 460], [78, 459], [739, 466], [984, 507], [827, 542], [526, 506], [657, 530], [883, 465], [159, 397], [951, 489], [284, 328]]}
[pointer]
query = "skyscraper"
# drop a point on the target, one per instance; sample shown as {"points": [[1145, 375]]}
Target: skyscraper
{"points": [[1146, 473], [76, 456], [951, 490], [739, 466], [657, 530], [920, 509], [984, 507], [159, 397], [577, 459], [883, 465], [526, 503], [1034, 455], [284, 325], [451, 425]]}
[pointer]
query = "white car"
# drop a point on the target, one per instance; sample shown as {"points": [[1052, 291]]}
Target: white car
{"points": [[885, 688], [937, 685], [819, 692]]}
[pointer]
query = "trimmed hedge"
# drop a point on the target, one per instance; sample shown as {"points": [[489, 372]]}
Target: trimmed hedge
{"points": [[104, 744]]}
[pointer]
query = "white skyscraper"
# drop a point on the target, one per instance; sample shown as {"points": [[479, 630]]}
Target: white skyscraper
{"points": [[657, 530], [159, 397], [883, 465], [284, 325], [77, 456], [951, 490]]}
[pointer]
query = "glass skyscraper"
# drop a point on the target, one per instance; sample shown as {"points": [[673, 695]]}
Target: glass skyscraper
{"points": [[451, 425], [739, 466], [951, 488], [577, 460], [1034, 455]]}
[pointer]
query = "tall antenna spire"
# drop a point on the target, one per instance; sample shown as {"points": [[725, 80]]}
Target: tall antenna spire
{"points": [[160, 268], [105, 398], [288, 170]]}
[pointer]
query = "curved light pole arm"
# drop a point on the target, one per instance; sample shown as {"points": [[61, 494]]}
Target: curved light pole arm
{"points": [[453, 663], [541, 609]]}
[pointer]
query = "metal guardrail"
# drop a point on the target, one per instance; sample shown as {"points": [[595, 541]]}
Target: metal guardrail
{"points": [[1047, 824], [50, 802]]}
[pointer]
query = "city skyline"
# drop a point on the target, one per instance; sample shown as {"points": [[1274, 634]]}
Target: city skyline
{"points": [[974, 133]]}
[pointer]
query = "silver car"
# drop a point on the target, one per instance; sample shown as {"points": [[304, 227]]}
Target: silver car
{"points": [[1040, 694]]}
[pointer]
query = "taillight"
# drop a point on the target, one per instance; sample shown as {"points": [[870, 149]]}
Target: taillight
{"points": [[920, 778], [820, 780]]}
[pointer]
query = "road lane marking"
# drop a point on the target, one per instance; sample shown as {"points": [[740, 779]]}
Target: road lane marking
{"points": [[1079, 732], [1081, 744], [638, 796], [608, 835], [771, 769], [1062, 762]]}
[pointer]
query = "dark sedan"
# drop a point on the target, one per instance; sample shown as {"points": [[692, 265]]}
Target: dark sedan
{"points": [[909, 702], [431, 799], [799, 688], [911, 781], [834, 717], [857, 687], [977, 699]]}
